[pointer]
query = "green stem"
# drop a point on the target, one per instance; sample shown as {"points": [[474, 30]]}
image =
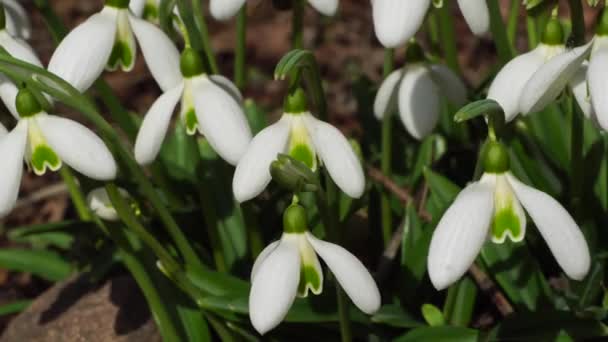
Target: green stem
{"points": [[345, 328], [386, 158], [56, 27], [78, 198], [531, 26], [201, 24], [240, 71], [578, 22], [213, 228], [254, 234], [447, 35], [297, 24], [512, 22], [499, 32], [118, 113]]}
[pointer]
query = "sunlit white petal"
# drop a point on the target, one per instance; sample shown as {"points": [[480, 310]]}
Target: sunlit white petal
{"points": [[352, 275], [12, 149], [396, 21], [262, 257], [580, 90], [476, 14], [8, 94], [137, 7], [562, 234], [460, 234], [418, 101], [225, 9], [252, 173], [275, 286], [450, 84], [99, 202], [598, 85], [228, 86], [386, 92], [78, 147], [18, 49], [325, 7], [154, 127]]}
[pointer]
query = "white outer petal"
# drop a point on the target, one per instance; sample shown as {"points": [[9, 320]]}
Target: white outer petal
{"points": [[225, 9], [352, 275], [228, 86], [476, 14], [160, 53], [221, 119], [17, 20], [507, 87], [18, 49], [154, 127], [337, 155], [396, 21], [419, 105], [78, 147], [76, 59], [580, 90], [325, 7], [275, 286], [262, 257], [3, 130], [551, 79], [450, 84], [12, 150], [460, 234], [385, 92], [137, 7], [562, 234], [99, 202], [8, 94], [252, 173], [597, 77]]}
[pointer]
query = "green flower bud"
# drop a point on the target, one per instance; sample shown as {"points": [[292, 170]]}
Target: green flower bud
{"points": [[292, 174], [294, 219], [118, 3], [191, 63], [296, 102], [27, 104], [496, 158], [554, 33]]}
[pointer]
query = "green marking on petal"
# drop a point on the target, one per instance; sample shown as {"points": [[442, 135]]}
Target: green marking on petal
{"points": [[310, 280], [304, 154], [121, 56], [506, 223], [42, 157], [191, 121]]}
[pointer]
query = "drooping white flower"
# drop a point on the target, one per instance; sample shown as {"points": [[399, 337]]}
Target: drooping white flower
{"points": [[290, 267], [397, 21], [495, 206], [209, 104], [114, 31], [16, 19], [305, 138], [226, 9], [46, 141], [417, 89], [99, 202]]}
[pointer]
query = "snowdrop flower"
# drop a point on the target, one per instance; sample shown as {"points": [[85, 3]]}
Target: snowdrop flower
{"points": [[290, 267], [495, 206], [99, 202], [397, 21], [530, 82], [226, 9], [418, 89], [113, 32], [16, 19], [591, 86], [305, 138], [209, 104], [46, 141]]}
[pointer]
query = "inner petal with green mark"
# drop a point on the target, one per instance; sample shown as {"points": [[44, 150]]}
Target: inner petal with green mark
{"points": [[509, 217], [188, 113], [41, 155], [124, 50], [311, 274], [300, 143]]}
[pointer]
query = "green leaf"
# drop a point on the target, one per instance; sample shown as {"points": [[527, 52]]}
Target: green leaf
{"points": [[478, 108], [395, 316], [256, 116], [178, 153], [443, 333], [218, 284], [460, 302], [42, 263], [56, 234], [432, 315], [14, 307], [431, 150], [442, 189]]}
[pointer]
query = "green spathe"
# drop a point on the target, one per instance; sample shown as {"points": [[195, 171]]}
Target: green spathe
{"points": [[27, 104]]}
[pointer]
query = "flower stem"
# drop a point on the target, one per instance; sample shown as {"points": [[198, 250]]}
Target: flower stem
{"points": [[513, 21], [578, 22], [213, 229], [499, 32], [240, 71], [78, 198], [386, 158], [201, 24], [297, 25], [447, 35], [345, 329]]}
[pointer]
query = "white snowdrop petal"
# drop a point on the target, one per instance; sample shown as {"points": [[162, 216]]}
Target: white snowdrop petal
{"points": [[562, 234], [352, 275], [154, 126], [386, 91], [507, 87], [8, 94], [221, 119], [275, 286], [78, 61], [476, 14], [17, 19], [598, 85], [12, 149], [460, 234], [18, 49], [228, 86], [137, 7], [580, 90], [450, 84], [325, 7], [338, 156], [418, 98], [262, 256], [252, 173], [99, 202], [78, 147], [225, 9], [160, 53], [396, 21], [3, 130], [551, 79]]}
